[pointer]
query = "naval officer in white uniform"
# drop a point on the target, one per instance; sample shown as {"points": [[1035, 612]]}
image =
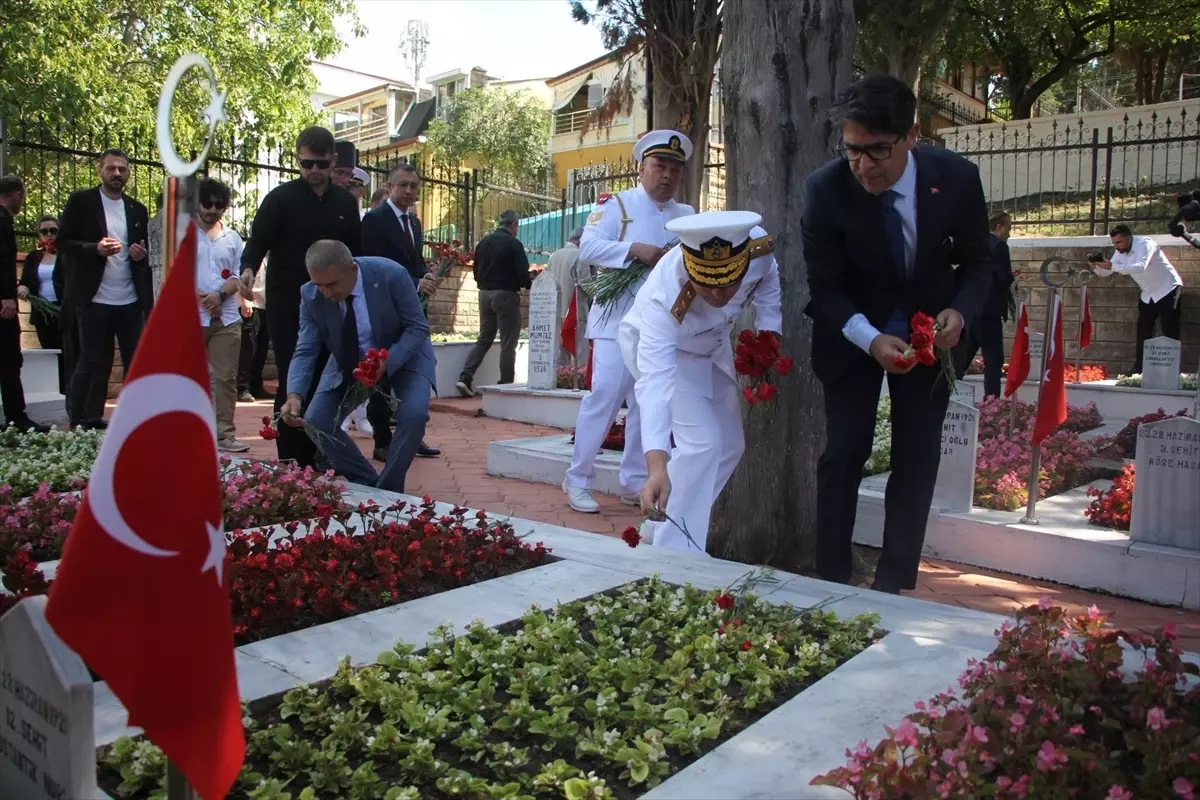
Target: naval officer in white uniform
{"points": [[623, 227], [676, 340]]}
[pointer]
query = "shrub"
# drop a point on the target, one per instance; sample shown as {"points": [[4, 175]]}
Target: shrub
{"points": [[881, 446], [1124, 443], [1112, 507]]}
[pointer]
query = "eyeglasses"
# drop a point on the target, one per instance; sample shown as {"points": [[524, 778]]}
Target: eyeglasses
{"points": [[315, 163], [217, 204], [878, 151], [48, 231]]}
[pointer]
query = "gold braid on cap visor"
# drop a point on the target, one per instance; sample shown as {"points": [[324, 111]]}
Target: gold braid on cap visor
{"points": [[717, 263]]}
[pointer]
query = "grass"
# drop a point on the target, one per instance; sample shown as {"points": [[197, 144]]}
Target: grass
{"points": [[1153, 207]]}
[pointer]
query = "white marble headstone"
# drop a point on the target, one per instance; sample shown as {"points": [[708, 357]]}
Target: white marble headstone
{"points": [[543, 332], [47, 745], [1160, 363], [1166, 492], [1037, 345], [1196, 399], [964, 392], [955, 486]]}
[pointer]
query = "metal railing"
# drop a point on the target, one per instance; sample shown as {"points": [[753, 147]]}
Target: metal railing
{"points": [[363, 132], [570, 121]]}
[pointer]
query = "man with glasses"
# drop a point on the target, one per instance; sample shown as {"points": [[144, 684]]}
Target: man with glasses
{"points": [[292, 217], [882, 229], [218, 253]]}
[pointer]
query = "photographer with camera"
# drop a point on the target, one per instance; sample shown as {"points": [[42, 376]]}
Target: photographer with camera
{"points": [[1141, 259]]}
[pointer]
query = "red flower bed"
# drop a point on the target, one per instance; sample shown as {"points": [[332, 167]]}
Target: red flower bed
{"points": [[1049, 714], [614, 439], [1113, 507], [1087, 372], [1124, 443], [36, 526]]}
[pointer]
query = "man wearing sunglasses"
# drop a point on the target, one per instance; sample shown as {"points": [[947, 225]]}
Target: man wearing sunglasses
{"points": [[889, 229], [291, 218]]}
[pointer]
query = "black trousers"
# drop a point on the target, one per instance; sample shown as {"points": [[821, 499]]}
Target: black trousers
{"points": [[12, 394], [69, 330], [256, 343], [99, 325], [986, 333], [283, 321], [919, 401], [1167, 312], [380, 415]]}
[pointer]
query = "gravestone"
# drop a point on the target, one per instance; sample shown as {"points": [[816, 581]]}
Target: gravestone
{"points": [[1160, 363], [1196, 399], [964, 392], [47, 745], [1166, 492], [955, 486], [543, 332], [1037, 345]]}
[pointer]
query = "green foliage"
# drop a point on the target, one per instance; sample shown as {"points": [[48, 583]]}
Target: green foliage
{"points": [[98, 63], [505, 131]]}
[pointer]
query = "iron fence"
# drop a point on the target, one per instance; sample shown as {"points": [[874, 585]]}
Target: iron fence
{"points": [[1080, 178]]}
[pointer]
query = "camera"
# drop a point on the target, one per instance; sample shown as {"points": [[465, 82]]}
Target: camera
{"points": [[1095, 258], [1189, 210]]}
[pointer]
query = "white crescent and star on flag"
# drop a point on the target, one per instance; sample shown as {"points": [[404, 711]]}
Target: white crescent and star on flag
{"points": [[143, 399]]}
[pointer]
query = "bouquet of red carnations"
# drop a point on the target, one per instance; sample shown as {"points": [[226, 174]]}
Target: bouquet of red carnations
{"points": [[757, 357], [446, 256], [366, 375], [921, 349]]}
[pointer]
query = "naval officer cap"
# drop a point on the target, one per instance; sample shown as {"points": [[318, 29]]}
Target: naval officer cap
{"points": [[664, 144], [360, 177], [716, 245]]}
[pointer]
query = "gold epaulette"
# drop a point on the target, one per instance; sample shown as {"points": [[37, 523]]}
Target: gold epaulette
{"points": [[761, 247], [683, 302]]}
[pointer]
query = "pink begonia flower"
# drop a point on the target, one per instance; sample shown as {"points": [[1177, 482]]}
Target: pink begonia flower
{"points": [[1077, 730], [1170, 631], [1156, 719], [1118, 793], [1184, 788], [979, 734], [1050, 757], [906, 734], [1044, 602], [1016, 722], [1094, 614]]}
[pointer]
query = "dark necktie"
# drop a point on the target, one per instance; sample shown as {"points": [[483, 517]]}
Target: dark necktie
{"points": [[348, 357], [407, 225], [895, 231]]}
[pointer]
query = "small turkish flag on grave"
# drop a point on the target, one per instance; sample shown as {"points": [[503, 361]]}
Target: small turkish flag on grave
{"points": [[570, 324], [1085, 321], [140, 591], [1052, 399], [1018, 363]]}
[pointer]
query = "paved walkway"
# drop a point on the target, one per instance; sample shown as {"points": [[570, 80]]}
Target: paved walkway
{"points": [[460, 476]]}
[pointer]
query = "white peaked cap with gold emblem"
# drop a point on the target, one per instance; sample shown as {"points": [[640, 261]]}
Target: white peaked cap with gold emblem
{"points": [[715, 245], [359, 175], [664, 143]]}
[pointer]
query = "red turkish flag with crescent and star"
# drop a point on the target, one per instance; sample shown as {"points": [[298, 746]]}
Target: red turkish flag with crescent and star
{"points": [[1085, 322], [1052, 398], [140, 593], [570, 324], [1018, 362]]}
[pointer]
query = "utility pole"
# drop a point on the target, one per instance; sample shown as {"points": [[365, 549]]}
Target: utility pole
{"points": [[413, 48]]}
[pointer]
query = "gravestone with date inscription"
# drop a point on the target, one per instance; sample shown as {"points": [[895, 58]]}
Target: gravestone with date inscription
{"points": [[543, 332], [955, 486], [47, 745], [1037, 345], [1166, 492], [1160, 363]]}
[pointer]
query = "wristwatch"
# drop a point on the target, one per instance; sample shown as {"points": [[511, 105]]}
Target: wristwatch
{"points": [[221, 293]]}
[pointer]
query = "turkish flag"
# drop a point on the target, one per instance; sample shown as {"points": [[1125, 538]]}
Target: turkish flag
{"points": [[1018, 363], [570, 323], [1085, 321], [1052, 399], [140, 591]]}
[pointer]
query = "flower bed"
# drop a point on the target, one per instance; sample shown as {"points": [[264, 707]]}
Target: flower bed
{"points": [[615, 438], [1088, 373], [600, 698], [60, 459], [1187, 380], [1048, 714], [566, 376], [1124, 443], [1113, 507]]}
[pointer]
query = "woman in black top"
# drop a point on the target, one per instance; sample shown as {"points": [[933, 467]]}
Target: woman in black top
{"points": [[42, 278]]}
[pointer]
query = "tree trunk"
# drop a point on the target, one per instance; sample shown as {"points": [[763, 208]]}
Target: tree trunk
{"points": [[784, 63], [672, 113]]}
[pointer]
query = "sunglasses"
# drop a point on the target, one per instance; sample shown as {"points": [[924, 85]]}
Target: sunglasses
{"points": [[48, 231], [219, 206], [315, 163]]}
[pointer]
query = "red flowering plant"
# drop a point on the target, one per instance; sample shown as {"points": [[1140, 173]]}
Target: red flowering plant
{"points": [[1124, 443], [1112, 507], [921, 349], [267, 492], [22, 579], [757, 357], [1049, 714], [282, 583], [446, 256], [36, 526]]}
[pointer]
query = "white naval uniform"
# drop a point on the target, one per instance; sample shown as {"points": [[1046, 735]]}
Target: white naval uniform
{"points": [[603, 245], [687, 386]]}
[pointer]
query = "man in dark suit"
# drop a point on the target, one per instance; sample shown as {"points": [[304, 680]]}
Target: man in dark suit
{"points": [[882, 228], [108, 289], [987, 331], [12, 394], [392, 230], [348, 307]]}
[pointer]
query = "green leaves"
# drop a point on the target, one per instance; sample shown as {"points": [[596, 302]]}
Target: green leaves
{"points": [[506, 131]]}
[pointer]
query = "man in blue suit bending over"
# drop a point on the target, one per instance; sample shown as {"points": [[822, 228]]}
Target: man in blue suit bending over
{"points": [[349, 306]]}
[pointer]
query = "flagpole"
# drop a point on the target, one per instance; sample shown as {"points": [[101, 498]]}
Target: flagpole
{"points": [[1079, 337], [1012, 403], [1036, 465]]}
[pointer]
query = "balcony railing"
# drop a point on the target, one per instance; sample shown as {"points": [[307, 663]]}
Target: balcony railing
{"points": [[373, 129], [570, 121]]}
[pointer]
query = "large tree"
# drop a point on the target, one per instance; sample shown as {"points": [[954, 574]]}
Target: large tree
{"points": [[681, 42], [898, 36], [785, 62], [96, 64], [501, 131]]}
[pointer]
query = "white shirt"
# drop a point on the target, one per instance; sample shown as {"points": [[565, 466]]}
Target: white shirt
{"points": [[1148, 267], [116, 286], [362, 319], [218, 258], [46, 277], [857, 328], [603, 245], [663, 353]]}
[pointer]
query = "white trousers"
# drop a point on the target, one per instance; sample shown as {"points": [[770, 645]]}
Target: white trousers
{"points": [[708, 446], [611, 383]]}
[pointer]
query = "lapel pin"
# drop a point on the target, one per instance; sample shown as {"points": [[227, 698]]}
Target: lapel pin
{"points": [[934, 190]]}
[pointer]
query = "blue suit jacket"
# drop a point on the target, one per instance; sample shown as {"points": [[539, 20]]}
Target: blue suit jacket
{"points": [[397, 323]]}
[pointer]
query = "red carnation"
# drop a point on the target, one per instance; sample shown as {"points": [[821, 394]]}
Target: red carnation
{"points": [[746, 337], [900, 362], [746, 645], [767, 340], [783, 365], [766, 391], [724, 601], [268, 433], [921, 339], [748, 393], [926, 357], [225, 274], [922, 322], [631, 536]]}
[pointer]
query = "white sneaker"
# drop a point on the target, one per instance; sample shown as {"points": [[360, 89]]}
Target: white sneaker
{"points": [[580, 499], [232, 445], [632, 499], [360, 422]]}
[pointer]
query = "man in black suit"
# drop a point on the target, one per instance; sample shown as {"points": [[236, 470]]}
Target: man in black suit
{"points": [[392, 230], [108, 289], [12, 394], [987, 331], [882, 228]]}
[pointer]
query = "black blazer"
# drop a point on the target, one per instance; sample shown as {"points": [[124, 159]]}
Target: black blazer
{"points": [[1002, 280], [384, 236], [850, 264], [29, 278], [80, 229]]}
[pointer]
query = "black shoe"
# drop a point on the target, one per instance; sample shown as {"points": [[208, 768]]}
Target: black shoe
{"points": [[94, 425], [245, 397], [25, 425], [876, 587], [425, 451], [380, 454], [259, 393], [464, 387]]}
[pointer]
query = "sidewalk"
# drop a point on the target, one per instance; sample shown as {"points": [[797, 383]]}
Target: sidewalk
{"points": [[459, 475]]}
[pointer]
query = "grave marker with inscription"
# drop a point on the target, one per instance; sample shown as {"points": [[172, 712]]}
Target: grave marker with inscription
{"points": [[47, 745], [955, 486], [964, 392], [1037, 345], [1166, 493], [543, 332], [1160, 363], [1196, 399]]}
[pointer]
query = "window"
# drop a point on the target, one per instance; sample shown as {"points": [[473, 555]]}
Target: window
{"points": [[595, 95]]}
